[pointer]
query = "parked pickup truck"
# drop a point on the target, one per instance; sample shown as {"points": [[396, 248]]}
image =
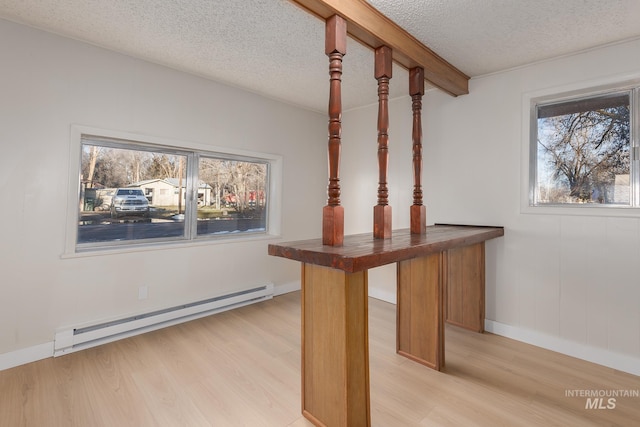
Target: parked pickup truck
{"points": [[129, 201]]}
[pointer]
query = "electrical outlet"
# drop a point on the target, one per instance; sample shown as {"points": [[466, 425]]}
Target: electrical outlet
{"points": [[143, 292]]}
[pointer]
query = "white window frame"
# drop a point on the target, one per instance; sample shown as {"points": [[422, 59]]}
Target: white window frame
{"points": [[529, 146], [274, 203]]}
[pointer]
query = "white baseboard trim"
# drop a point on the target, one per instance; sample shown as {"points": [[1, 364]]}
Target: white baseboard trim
{"points": [[26, 355], [285, 288], [600, 356], [46, 350]]}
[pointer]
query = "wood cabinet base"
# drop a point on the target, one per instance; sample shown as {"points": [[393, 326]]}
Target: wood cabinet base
{"points": [[465, 285], [335, 347], [440, 276], [420, 320], [447, 285]]}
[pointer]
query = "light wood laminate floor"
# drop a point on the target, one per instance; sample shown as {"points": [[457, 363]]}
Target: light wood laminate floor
{"points": [[242, 368]]}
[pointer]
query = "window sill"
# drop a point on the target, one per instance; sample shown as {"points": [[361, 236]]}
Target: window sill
{"points": [[597, 211], [166, 245]]}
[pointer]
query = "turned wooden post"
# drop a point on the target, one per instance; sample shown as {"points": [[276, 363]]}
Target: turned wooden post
{"points": [[333, 213], [418, 211], [382, 211]]}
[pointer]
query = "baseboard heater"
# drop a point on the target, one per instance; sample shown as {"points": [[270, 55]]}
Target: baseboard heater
{"points": [[72, 339]]}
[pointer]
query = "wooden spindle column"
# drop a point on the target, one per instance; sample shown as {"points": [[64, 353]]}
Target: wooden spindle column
{"points": [[418, 211], [382, 211], [333, 213]]}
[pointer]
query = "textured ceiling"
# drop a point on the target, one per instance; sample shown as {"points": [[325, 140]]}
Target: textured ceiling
{"points": [[274, 48], [484, 36]]}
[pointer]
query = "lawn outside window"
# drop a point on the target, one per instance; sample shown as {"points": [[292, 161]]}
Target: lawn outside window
{"points": [[583, 151], [135, 191]]}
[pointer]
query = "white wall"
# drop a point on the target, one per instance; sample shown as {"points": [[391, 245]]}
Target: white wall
{"points": [[47, 84], [569, 283]]}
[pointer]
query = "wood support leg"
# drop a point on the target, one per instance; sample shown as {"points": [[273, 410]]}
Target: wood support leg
{"points": [[335, 347], [464, 269], [420, 323]]}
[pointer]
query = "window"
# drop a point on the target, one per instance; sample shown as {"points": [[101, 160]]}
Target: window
{"points": [[582, 151], [231, 186], [133, 192]]}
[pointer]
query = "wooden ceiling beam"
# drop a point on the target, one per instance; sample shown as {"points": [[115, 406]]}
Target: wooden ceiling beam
{"points": [[370, 27]]}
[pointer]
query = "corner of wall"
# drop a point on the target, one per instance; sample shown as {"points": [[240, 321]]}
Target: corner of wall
{"points": [[599, 356]]}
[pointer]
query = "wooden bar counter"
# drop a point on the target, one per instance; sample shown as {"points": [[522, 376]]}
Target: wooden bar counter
{"points": [[440, 277]]}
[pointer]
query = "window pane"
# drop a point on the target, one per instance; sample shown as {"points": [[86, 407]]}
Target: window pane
{"points": [[231, 196], [130, 194], [583, 151]]}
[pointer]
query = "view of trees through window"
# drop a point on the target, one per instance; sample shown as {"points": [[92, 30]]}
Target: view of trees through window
{"points": [[583, 151], [130, 192]]}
